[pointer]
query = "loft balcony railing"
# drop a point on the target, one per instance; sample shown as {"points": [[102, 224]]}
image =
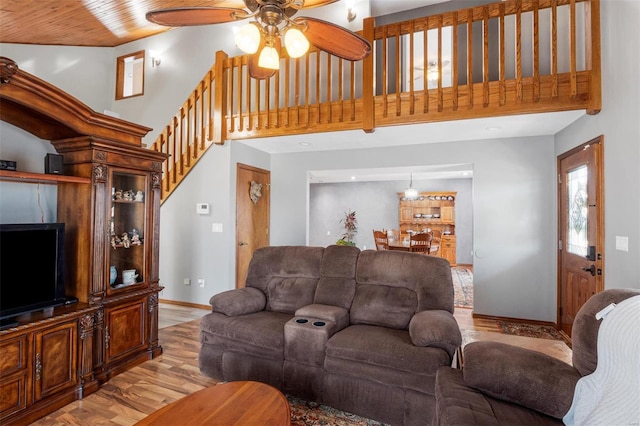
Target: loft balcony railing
{"points": [[505, 58]]}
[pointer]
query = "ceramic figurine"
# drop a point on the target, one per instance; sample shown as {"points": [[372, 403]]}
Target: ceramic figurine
{"points": [[135, 238], [126, 242], [118, 195], [139, 196], [128, 195]]}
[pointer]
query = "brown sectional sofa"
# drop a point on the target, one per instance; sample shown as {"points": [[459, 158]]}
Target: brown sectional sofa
{"points": [[361, 331]]}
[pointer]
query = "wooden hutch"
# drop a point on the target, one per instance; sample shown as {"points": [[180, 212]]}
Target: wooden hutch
{"points": [[109, 200], [434, 211]]}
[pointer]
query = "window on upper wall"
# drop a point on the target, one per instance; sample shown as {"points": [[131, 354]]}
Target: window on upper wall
{"points": [[130, 75]]}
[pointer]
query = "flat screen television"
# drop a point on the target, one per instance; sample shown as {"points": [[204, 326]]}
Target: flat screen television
{"points": [[31, 268]]}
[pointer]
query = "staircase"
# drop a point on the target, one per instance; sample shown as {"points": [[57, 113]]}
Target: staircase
{"points": [[505, 58]]}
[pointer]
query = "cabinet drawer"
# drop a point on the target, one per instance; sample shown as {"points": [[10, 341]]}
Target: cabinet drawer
{"points": [[13, 397], [13, 356]]}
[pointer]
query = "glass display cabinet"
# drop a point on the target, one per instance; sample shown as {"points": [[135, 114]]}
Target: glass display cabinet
{"points": [[127, 229]]}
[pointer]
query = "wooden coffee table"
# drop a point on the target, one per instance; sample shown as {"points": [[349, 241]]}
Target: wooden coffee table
{"points": [[231, 403]]}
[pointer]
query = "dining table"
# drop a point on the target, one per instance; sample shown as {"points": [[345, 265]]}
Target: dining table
{"points": [[399, 245]]}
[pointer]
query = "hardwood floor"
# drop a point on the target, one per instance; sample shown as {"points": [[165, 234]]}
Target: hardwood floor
{"points": [[136, 393]]}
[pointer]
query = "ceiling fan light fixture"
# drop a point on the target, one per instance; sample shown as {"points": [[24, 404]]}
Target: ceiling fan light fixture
{"points": [[269, 58], [247, 38], [295, 42]]}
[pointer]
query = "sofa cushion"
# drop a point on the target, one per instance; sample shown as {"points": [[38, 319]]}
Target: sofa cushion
{"points": [[533, 379], [272, 262], [239, 301], [459, 404], [337, 283], [384, 355], [290, 293], [428, 276], [435, 328], [260, 333], [383, 305]]}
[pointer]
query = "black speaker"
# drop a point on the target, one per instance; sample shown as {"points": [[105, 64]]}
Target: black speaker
{"points": [[54, 164]]}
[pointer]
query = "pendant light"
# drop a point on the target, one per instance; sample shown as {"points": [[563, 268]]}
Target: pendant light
{"points": [[411, 193]]}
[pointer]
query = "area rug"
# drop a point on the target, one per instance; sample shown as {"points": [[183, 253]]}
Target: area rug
{"points": [[529, 330], [462, 286], [306, 414]]}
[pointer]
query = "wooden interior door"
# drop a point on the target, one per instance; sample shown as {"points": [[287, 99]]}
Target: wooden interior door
{"points": [[252, 216], [580, 229]]}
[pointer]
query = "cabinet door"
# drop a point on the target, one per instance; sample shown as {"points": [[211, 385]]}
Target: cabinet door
{"points": [[447, 214], [406, 214], [55, 360], [128, 231], [448, 249], [13, 373], [124, 330]]}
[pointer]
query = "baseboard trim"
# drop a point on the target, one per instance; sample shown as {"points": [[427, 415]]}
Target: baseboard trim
{"points": [[187, 304], [518, 320]]}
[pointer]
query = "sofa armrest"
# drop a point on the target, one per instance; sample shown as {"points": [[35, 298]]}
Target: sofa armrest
{"points": [[526, 377], [338, 315], [240, 301], [435, 329]]}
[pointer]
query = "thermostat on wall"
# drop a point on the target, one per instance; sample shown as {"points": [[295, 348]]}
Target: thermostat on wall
{"points": [[202, 208]]}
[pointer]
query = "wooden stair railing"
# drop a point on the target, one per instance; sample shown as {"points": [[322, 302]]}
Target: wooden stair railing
{"points": [[452, 66]]}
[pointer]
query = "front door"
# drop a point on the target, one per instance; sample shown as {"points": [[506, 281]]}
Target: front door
{"points": [[252, 216], [580, 229]]}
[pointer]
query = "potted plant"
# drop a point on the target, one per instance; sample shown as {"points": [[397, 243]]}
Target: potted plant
{"points": [[350, 229]]}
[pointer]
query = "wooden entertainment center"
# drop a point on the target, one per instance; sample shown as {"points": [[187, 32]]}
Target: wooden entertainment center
{"points": [[109, 200]]}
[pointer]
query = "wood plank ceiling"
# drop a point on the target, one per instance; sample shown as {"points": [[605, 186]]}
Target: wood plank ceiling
{"points": [[104, 23]]}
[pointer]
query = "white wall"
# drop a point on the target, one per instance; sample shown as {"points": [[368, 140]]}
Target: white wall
{"points": [[25, 202], [87, 73], [513, 203], [619, 122]]}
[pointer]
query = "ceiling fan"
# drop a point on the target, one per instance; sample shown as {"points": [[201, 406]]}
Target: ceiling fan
{"points": [[271, 21], [432, 70]]}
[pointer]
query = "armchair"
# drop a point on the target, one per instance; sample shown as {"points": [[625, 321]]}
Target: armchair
{"points": [[501, 384]]}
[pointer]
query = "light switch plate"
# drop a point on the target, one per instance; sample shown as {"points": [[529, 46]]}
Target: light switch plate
{"points": [[216, 227], [622, 243]]}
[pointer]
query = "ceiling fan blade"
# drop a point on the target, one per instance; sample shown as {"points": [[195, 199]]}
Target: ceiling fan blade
{"points": [[308, 4], [334, 39], [187, 16]]}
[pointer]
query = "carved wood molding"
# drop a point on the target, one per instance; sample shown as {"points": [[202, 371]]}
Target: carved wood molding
{"points": [[7, 69]]}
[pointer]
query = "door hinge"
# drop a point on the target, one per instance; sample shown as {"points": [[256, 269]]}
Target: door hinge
{"points": [[559, 244], [559, 178]]}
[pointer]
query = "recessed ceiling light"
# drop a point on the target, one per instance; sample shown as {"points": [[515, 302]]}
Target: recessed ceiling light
{"points": [[353, 178], [304, 143], [493, 129], [466, 173]]}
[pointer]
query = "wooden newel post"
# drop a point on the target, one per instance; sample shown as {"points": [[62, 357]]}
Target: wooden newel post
{"points": [[368, 107], [219, 101]]}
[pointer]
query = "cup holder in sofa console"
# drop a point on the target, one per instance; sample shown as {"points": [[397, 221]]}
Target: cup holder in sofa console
{"points": [[319, 323], [302, 321]]}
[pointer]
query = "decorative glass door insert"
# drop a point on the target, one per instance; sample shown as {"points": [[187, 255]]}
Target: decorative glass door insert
{"points": [[577, 219]]}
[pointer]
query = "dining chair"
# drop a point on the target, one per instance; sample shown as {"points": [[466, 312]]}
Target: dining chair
{"points": [[381, 240], [435, 242], [420, 243]]}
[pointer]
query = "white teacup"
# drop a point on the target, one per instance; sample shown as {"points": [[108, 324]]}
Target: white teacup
{"points": [[129, 276]]}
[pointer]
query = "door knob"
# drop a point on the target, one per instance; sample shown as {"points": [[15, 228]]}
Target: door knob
{"points": [[591, 269]]}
